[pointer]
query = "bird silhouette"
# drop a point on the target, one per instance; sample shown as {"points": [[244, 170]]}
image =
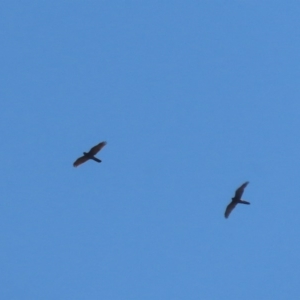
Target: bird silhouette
{"points": [[236, 199], [90, 155]]}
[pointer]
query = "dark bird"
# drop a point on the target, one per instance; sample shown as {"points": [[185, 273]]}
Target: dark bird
{"points": [[236, 199], [89, 155]]}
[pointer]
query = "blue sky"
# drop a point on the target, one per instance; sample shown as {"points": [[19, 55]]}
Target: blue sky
{"points": [[194, 98]]}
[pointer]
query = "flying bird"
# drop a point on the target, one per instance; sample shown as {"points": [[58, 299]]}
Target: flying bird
{"points": [[90, 155], [236, 199]]}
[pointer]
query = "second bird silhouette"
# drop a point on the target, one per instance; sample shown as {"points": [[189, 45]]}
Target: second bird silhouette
{"points": [[90, 155]]}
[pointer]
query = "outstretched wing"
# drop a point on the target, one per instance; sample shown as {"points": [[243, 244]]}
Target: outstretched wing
{"points": [[80, 161], [97, 148], [240, 190], [229, 208]]}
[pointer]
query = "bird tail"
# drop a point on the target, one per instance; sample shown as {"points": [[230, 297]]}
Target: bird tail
{"points": [[96, 159], [244, 202]]}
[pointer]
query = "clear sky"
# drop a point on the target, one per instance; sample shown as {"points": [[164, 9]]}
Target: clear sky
{"points": [[194, 98]]}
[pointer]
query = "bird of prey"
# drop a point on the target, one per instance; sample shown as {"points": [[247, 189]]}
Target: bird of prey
{"points": [[90, 155], [236, 199]]}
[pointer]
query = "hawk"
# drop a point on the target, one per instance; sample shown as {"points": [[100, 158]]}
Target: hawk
{"points": [[90, 155], [236, 199]]}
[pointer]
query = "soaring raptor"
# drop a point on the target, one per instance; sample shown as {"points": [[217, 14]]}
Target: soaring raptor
{"points": [[89, 155], [236, 199]]}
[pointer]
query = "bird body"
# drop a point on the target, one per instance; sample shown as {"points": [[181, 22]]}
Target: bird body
{"points": [[236, 199], [90, 155]]}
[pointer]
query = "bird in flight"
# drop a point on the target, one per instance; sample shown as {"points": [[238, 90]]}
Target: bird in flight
{"points": [[90, 155], [236, 199]]}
